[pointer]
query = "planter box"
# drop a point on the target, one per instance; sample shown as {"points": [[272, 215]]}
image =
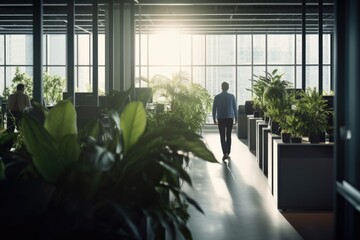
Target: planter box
{"points": [[303, 176], [252, 133], [242, 126], [260, 124], [264, 139], [271, 137]]}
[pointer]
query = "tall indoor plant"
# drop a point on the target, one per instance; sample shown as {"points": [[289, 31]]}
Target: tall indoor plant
{"points": [[276, 99], [259, 85], [188, 103]]}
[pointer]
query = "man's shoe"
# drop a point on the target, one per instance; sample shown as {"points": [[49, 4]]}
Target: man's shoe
{"points": [[225, 157]]}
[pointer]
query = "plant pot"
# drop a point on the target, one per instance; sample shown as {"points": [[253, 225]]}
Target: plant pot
{"points": [[296, 140], [286, 137], [257, 114], [316, 137], [275, 127], [249, 108], [266, 119], [160, 108]]}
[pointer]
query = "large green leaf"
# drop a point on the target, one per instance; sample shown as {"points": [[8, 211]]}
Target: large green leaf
{"points": [[160, 141], [132, 123], [196, 147], [176, 169], [178, 191], [43, 148], [69, 149], [61, 120]]}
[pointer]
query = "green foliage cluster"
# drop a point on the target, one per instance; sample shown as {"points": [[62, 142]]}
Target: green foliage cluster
{"points": [[259, 85], [269, 91], [108, 182], [308, 115], [314, 112], [300, 117], [293, 123], [275, 98], [189, 103], [53, 86], [20, 77]]}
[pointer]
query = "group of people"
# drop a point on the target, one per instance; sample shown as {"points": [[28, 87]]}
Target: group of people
{"points": [[224, 113]]}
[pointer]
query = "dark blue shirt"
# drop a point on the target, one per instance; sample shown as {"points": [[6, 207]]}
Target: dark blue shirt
{"points": [[224, 106]]}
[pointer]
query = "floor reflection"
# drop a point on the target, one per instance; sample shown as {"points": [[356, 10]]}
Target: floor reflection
{"points": [[235, 198]]}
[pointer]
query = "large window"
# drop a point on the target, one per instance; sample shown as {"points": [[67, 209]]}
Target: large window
{"points": [[207, 59], [212, 59], [17, 51]]}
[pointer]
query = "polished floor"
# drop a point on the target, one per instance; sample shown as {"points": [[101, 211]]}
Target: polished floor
{"points": [[236, 199]]}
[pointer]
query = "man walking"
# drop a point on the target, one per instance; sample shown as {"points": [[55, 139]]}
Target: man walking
{"points": [[224, 112]]}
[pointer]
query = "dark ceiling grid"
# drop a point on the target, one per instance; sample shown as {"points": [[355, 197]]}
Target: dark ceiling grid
{"points": [[187, 16]]}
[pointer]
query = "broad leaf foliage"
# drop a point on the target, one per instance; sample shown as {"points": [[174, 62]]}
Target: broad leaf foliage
{"points": [[111, 180]]}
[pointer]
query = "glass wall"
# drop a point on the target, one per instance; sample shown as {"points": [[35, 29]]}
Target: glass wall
{"points": [[212, 59], [17, 51], [207, 59]]}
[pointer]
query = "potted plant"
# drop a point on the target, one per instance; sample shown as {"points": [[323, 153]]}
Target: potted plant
{"points": [[295, 124], [315, 115], [102, 185], [281, 116], [285, 129], [189, 103], [259, 85], [276, 99]]}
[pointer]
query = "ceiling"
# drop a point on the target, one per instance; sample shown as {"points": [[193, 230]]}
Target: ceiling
{"points": [[188, 16]]}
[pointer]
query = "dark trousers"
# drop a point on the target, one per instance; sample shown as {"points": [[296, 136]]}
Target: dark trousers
{"points": [[225, 127], [13, 119]]}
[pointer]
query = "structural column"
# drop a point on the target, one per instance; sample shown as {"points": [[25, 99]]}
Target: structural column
{"points": [[95, 58], [37, 50], [303, 34], [109, 49], [320, 86], [70, 59], [124, 46]]}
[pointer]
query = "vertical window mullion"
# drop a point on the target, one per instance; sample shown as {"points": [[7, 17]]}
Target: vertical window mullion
{"points": [[266, 52], [252, 61], [89, 61], [236, 66], [5, 63], [205, 52], [295, 59]]}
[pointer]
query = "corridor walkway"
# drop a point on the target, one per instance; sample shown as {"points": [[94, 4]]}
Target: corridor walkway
{"points": [[235, 198]]}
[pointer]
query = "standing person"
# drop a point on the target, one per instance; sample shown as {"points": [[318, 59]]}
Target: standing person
{"points": [[224, 112], [17, 103]]}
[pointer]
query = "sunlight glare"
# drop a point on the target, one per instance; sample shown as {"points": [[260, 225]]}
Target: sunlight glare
{"points": [[165, 48], [225, 205]]}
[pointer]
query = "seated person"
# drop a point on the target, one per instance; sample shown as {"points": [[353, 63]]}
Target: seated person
{"points": [[17, 103]]}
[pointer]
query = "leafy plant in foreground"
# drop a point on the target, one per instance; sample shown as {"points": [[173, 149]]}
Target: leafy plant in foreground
{"points": [[106, 187]]}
